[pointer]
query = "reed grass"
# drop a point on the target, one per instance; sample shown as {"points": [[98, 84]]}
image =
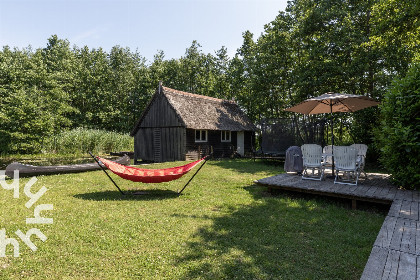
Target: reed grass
{"points": [[82, 140]]}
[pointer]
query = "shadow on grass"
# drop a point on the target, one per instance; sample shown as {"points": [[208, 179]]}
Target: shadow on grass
{"points": [[129, 195], [282, 238]]}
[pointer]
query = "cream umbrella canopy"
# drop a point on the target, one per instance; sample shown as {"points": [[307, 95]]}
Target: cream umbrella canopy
{"points": [[331, 103]]}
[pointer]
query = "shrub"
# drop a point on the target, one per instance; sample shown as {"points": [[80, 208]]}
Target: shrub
{"points": [[398, 134], [82, 140]]}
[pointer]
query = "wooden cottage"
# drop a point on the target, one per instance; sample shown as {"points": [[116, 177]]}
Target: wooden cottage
{"points": [[178, 125]]}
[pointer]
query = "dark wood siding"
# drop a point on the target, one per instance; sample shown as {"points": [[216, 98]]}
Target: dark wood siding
{"points": [[214, 141], [160, 144], [161, 114], [173, 143], [161, 136], [143, 144]]}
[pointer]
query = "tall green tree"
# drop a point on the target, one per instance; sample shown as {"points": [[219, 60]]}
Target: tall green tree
{"points": [[31, 109], [398, 136], [92, 83], [242, 76]]}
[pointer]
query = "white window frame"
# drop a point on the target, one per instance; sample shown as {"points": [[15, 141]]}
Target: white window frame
{"points": [[226, 133], [202, 132]]}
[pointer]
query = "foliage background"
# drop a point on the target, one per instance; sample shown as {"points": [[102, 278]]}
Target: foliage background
{"points": [[313, 47], [398, 136]]}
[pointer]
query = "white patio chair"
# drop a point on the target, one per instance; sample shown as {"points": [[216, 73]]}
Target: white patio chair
{"points": [[361, 150], [327, 157], [312, 160], [346, 167]]}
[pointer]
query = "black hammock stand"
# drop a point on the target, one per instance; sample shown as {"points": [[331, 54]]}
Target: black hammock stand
{"points": [[205, 159]]}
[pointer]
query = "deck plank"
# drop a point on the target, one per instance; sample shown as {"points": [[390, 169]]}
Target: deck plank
{"points": [[418, 239], [383, 192], [330, 188], [405, 211], [404, 194], [340, 188], [418, 268], [408, 239], [391, 266], [395, 208], [375, 264], [378, 193], [414, 210], [391, 194], [385, 233], [361, 190], [409, 195], [407, 266], [397, 235], [416, 196], [372, 190]]}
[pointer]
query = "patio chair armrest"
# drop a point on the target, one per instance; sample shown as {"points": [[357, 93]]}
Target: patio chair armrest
{"points": [[360, 159]]}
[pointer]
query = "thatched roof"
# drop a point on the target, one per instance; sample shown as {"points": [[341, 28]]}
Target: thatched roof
{"points": [[204, 112]]}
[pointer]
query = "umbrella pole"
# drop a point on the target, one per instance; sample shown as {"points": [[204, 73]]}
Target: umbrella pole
{"points": [[332, 138]]}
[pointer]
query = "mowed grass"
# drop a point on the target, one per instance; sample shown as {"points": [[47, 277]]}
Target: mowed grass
{"points": [[222, 227]]}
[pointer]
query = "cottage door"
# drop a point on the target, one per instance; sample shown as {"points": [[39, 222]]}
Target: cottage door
{"points": [[157, 145], [240, 143]]}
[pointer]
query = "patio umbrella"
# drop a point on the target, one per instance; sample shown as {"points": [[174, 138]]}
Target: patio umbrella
{"points": [[331, 103]]}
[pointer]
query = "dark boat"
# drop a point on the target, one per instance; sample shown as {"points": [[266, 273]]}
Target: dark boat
{"points": [[26, 170], [120, 154]]}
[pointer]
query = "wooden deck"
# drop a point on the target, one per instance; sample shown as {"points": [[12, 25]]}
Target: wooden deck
{"points": [[396, 251]]}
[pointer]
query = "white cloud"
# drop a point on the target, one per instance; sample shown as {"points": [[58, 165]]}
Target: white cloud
{"points": [[82, 37]]}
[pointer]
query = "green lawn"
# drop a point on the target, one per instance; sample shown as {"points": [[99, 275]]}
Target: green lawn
{"points": [[222, 227]]}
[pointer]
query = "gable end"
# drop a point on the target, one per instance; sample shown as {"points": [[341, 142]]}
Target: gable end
{"points": [[158, 113]]}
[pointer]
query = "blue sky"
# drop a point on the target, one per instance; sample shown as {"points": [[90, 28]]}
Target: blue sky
{"points": [[145, 25]]}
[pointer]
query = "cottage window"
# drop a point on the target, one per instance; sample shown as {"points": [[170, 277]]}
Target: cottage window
{"points": [[201, 135], [225, 135]]}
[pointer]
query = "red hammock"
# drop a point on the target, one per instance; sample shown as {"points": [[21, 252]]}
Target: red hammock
{"points": [[148, 175]]}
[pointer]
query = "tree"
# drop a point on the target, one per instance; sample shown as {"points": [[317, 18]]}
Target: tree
{"points": [[242, 76], [398, 136], [30, 108], [396, 35], [220, 72]]}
